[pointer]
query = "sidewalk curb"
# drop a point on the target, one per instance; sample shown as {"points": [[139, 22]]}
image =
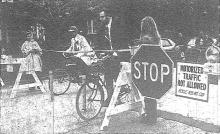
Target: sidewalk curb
{"points": [[189, 121]]}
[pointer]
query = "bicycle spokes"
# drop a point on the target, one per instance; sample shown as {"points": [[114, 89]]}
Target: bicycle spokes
{"points": [[89, 101]]}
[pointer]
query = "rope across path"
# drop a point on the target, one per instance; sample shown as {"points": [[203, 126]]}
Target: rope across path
{"points": [[75, 52]]}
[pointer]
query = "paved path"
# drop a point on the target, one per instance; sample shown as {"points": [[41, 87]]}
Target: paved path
{"points": [[32, 112]]}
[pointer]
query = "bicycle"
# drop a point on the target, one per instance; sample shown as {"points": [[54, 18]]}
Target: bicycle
{"points": [[69, 74], [65, 76], [90, 96]]}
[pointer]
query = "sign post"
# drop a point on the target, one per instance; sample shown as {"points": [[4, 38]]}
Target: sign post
{"points": [[152, 71]]}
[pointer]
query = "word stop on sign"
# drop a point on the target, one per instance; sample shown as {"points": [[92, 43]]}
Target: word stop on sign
{"points": [[154, 72]]}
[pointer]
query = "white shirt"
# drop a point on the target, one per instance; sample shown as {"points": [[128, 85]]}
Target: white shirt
{"points": [[81, 44]]}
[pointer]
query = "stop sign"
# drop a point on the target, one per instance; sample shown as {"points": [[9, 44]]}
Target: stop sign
{"points": [[151, 70]]}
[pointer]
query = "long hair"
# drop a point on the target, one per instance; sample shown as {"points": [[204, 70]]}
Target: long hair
{"points": [[149, 32]]}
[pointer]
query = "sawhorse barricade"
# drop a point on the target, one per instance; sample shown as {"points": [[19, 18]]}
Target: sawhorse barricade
{"points": [[124, 77], [8, 61], [17, 81]]}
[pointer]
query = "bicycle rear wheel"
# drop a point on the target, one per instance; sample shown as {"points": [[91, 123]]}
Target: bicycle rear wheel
{"points": [[62, 81], [89, 100]]}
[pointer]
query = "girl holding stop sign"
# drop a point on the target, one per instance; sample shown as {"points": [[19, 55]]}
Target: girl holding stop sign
{"points": [[149, 35]]}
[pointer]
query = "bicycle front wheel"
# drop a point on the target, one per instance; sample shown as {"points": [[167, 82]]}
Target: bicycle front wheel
{"points": [[62, 81], [89, 100]]}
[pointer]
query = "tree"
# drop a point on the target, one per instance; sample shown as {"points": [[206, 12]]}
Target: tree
{"points": [[54, 15]]}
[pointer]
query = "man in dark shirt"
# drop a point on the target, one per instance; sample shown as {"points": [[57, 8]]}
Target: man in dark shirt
{"points": [[111, 36], [103, 42], [103, 36]]}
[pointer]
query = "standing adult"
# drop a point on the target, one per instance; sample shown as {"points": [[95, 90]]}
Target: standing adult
{"points": [[200, 39], [181, 44], [194, 46], [202, 43], [104, 42]]}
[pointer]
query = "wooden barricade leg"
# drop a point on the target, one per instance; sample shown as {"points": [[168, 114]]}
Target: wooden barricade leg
{"points": [[17, 81], [16, 85], [113, 109], [111, 106], [38, 82]]}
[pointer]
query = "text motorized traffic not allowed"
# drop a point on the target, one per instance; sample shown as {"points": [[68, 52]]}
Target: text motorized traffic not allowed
{"points": [[191, 81], [152, 70]]}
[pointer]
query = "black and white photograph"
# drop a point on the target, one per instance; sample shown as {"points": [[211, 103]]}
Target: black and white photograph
{"points": [[110, 66]]}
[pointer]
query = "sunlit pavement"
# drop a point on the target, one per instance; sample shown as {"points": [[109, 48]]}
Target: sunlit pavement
{"points": [[32, 112]]}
